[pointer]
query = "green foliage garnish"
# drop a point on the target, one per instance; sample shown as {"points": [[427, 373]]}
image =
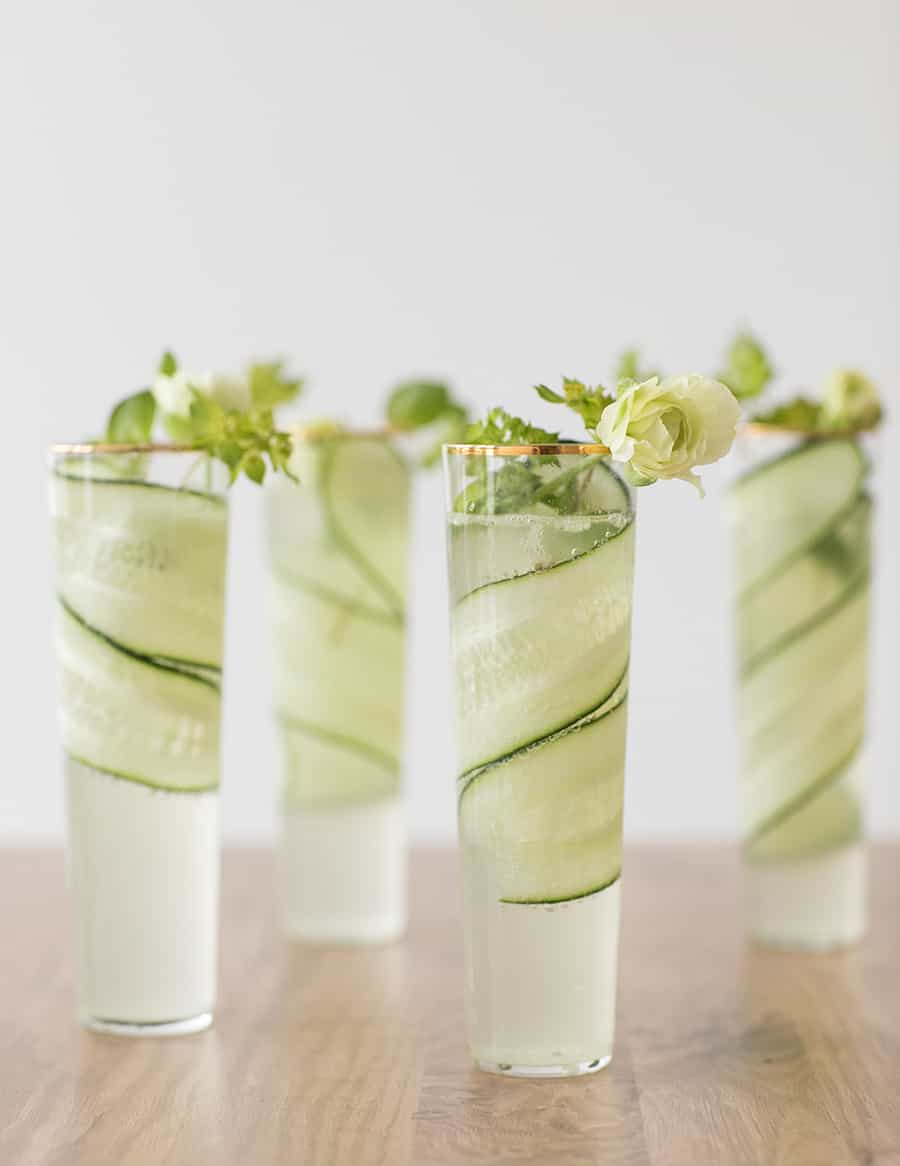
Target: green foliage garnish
{"points": [[168, 365], [425, 404], [131, 421], [270, 386], [747, 369], [587, 402], [517, 485], [502, 428], [849, 401], [230, 419], [244, 441], [413, 404], [800, 413], [629, 368]]}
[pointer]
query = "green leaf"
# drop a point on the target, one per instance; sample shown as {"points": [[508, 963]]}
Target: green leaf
{"points": [[747, 369], [178, 429], [168, 365], [270, 386], [801, 413], [414, 404], [471, 500], [427, 405], [502, 428], [629, 370], [451, 428], [245, 440], [254, 467], [629, 363], [207, 419], [131, 421], [587, 402]]}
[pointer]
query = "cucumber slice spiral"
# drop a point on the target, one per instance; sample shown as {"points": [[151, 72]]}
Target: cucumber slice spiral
{"points": [[338, 549], [541, 635], [801, 533], [140, 571]]}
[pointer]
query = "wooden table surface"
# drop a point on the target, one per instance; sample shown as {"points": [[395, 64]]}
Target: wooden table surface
{"points": [[727, 1055]]}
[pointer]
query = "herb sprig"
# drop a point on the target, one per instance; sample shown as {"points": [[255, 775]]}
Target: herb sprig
{"points": [[849, 400], [502, 428], [427, 406], [517, 484], [230, 419], [747, 370], [588, 402], [655, 428]]}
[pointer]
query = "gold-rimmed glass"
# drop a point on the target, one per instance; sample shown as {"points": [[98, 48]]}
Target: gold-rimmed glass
{"points": [[338, 543], [800, 518], [140, 539], [540, 557]]}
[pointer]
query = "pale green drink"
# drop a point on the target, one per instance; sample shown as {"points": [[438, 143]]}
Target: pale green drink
{"points": [[338, 553], [540, 619]]}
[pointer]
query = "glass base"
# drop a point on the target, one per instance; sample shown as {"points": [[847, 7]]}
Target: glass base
{"points": [[579, 1069], [343, 873], [190, 1024], [341, 933], [816, 904]]}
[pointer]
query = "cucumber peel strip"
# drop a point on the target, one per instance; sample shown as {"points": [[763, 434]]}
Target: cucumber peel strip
{"points": [[614, 703], [350, 606], [163, 664], [564, 898], [804, 798], [545, 570], [803, 629], [805, 449], [340, 536], [609, 704], [140, 484], [135, 780], [391, 764]]}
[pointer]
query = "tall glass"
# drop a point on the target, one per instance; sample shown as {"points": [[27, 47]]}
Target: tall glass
{"points": [[800, 517], [540, 548], [338, 553], [140, 539]]}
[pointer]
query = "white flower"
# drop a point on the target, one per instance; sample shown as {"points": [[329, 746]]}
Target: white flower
{"points": [[850, 400], [174, 393], [664, 428]]}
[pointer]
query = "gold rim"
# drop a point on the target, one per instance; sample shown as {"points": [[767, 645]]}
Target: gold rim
{"points": [[527, 450], [107, 447], [771, 428]]}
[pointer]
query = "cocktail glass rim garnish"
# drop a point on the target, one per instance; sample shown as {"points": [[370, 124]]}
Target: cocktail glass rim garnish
{"points": [[540, 449]]}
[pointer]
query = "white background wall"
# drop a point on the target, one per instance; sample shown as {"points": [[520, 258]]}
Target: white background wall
{"points": [[498, 191]]}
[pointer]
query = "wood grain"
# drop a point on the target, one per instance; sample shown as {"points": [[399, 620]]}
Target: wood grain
{"points": [[727, 1055]]}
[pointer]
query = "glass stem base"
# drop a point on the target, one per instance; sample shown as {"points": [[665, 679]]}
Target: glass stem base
{"points": [[578, 1069], [540, 980], [343, 873], [809, 904], [184, 1027]]}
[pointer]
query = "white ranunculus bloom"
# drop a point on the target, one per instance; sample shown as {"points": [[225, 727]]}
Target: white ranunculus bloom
{"points": [[850, 400], [664, 428], [174, 393]]}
